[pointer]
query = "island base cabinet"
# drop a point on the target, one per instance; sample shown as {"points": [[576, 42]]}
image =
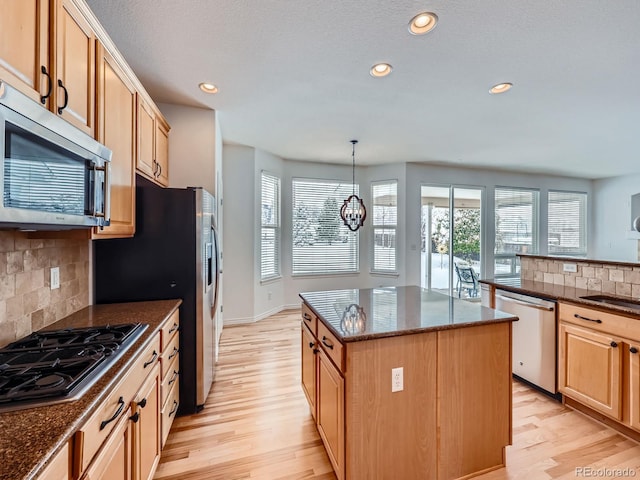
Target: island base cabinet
{"points": [[309, 350], [590, 368], [634, 385], [330, 412]]}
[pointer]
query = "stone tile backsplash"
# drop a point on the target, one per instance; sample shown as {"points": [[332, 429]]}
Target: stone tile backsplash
{"points": [[604, 277], [27, 302]]}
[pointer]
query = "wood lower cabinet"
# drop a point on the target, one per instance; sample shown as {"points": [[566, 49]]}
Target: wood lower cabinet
{"points": [[113, 461], [634, 385], [59, 466], [116, 128], [590, 368], [309, 350], [330, 411], [146, 427]]}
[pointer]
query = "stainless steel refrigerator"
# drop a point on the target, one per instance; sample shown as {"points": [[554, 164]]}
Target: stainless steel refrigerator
{"points": [[174, 254]]}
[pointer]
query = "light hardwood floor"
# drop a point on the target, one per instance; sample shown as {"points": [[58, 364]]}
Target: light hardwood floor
{"points": [[256, 423]]}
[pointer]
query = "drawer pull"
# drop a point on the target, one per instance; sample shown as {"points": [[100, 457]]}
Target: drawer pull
{"points": [[153, 359], [311, 344], [613, 344], [115, 415], [173, 379], [328, 345], [173, 410], [174, 328], [306, 316], [173, 354], [142, 403], [597, 320], [316, 350], [633, 350], [135, 417]]}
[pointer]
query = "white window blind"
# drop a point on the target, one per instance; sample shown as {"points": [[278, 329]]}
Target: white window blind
{"points": [[516, 216], [322, 244], [567, 223], [270, 231], [385, 222]]}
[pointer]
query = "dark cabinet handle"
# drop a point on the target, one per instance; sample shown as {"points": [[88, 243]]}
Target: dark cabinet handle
{"points": [[306, 317], [633, 350], [43, 98], [135, 417], [173, 354], [66, 97], [311, 344], [159, 170], [328, 345], [153, 359], [173, 379], [613, 344], [175, 325], [316, 350], [173, 410], [115, 415], [597, 320], [142, 403]]}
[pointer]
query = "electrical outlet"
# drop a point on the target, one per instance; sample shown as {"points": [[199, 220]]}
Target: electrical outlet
{"points": [[569, 267], [397, 379], [55, 278]]}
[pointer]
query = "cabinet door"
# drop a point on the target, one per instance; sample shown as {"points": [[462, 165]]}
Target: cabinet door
{"points": [[24, 46], [58, 467], [162, 151], [309, 352], [146, 429], [113, 461], [589, 369], [634, 385], [330, 411], [75, 52], [145, 162], [116, 128]]}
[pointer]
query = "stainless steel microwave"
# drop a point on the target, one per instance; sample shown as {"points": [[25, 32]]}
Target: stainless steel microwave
{"points": [[52, 175]]}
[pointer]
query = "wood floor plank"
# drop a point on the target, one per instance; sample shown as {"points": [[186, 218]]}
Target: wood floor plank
{"points": [[256, 422]]}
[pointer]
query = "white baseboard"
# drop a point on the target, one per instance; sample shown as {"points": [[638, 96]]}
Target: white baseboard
{"points": [[244, 320]]}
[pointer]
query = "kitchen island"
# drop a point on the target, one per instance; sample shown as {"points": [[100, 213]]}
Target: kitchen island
{"points": [[407, 383]]}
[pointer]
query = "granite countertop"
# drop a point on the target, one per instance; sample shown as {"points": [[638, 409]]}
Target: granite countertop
{"points": [[31, 437], [560, 292], [363, 314]]}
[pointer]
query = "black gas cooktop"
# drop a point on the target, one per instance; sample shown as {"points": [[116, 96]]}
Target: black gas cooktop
{"points": [[59, 365]]}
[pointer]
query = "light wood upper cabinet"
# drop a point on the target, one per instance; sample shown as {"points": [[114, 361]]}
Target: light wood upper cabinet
{"points": [[590, 368], [75, 55], [162, 150], [116, 128], [24, 47], [153, 143]]}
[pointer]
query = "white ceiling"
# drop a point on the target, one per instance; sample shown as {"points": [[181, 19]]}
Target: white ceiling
{"points": [[294, 78]]}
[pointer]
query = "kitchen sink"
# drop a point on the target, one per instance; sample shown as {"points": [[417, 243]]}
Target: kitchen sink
{"points": [[620, 302]]}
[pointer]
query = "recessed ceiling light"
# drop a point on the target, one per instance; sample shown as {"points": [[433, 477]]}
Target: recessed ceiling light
{"points": [[423, 23], [208, 87], [380, 70], [501, 88]]}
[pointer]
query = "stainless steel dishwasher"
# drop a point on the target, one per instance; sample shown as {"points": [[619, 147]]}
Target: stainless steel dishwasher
{"points": [[534, 337]]}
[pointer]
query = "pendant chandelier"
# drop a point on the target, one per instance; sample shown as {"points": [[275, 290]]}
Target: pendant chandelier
{"points": [[353, 211]]}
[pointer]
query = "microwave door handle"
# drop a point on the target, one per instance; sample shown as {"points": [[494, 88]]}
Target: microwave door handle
{"points": [[106, 213]]}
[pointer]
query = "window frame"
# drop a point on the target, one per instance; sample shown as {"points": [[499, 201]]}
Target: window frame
{"points": [[276, 227], [374, 226]]}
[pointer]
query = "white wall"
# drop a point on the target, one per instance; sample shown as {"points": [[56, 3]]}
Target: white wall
{"points": [[192, 146], [612, 216]]}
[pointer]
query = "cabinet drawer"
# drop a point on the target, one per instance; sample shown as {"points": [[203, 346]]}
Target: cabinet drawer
{"points": [[105, 416], [309, 319], [599, 320], [170, 329], [330, 345], [58, 467], [169, 413], [169, 355], [170, 380]]}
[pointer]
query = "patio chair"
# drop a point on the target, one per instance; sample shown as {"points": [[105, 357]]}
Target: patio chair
{"points": [[467, 280]]}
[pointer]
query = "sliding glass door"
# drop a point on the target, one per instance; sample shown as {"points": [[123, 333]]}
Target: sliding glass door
{"points": [[451, 239]]}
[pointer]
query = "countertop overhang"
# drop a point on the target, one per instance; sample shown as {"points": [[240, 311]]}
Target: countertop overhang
{"points": [[392, 311], [32, 436]]}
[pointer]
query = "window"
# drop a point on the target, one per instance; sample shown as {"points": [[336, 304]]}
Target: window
{"points": [[385, 222], [567, 223], [270, 231], [322, 244], [516, 214]]}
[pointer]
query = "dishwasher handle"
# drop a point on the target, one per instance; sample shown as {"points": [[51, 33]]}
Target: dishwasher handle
{"points": [[525, 303]]}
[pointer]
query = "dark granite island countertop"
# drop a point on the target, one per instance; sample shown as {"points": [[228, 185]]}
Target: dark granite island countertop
{"points": [[31, 437], [392, 311]]}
